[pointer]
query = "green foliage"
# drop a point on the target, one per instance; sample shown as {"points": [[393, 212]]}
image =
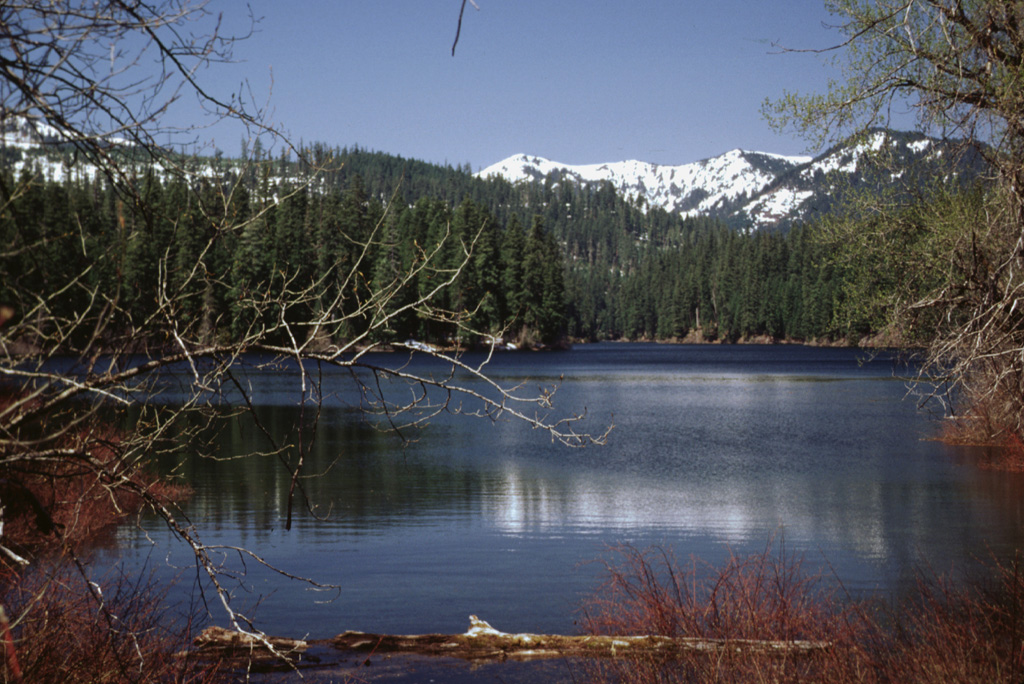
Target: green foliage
{"points": [[957, 63], [942, 271]]}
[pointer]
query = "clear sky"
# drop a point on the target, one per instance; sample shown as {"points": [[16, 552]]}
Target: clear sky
{"points": [[577, 81]]}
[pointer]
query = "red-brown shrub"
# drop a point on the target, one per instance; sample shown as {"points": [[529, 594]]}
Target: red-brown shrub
{"points": [[119, 629], [766, 597], [61, 490], [966, 632]]}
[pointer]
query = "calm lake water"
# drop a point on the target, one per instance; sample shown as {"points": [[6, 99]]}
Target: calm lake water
{"points": [[715, 449]]}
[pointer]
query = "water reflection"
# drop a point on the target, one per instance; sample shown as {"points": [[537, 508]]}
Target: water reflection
{"points": [[713, 447]]}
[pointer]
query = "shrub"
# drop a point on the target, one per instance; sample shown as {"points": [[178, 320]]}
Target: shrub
{"points": [[754, 611], [66, 628]]}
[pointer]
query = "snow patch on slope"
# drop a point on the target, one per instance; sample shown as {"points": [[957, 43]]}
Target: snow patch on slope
{"points": [[776, 205], [847, 159], [22, 133]]}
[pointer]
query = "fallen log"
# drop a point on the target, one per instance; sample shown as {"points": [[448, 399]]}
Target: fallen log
{"points": [[220, 643], [484, 643]]}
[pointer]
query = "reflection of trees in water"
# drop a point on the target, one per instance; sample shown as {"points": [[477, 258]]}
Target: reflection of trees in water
{"points": [[889, 514]]}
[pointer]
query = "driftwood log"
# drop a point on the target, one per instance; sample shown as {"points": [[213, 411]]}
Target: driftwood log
{"points": [[480, 643]]}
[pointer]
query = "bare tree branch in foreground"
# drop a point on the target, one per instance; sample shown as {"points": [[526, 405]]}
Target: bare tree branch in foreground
{"points": [[100, 374]]}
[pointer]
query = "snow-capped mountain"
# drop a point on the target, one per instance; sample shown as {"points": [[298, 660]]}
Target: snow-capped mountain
{"points": [[754, 189], [705, 187]]}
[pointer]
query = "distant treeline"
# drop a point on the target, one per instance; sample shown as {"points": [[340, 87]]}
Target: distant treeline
{"points": [[549, 261]]}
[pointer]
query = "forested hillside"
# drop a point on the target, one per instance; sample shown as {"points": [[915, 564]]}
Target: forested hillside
{"points": [[551, 261], [638, 274]]}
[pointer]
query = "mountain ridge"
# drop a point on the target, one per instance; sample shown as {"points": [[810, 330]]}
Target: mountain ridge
{"points": [[750, 189], [747, 190], [696, 188]]}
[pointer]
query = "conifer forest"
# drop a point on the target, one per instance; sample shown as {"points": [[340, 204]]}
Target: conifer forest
{"points": [[551, 262]]}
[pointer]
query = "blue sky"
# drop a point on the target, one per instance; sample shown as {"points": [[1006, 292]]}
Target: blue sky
{"points": [[577, 81]]}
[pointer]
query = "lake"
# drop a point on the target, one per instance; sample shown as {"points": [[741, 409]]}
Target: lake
{"points": [[715, 449]]}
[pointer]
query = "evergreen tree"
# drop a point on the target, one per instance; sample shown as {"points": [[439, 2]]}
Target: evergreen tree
{"points": [[513, 248]]}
